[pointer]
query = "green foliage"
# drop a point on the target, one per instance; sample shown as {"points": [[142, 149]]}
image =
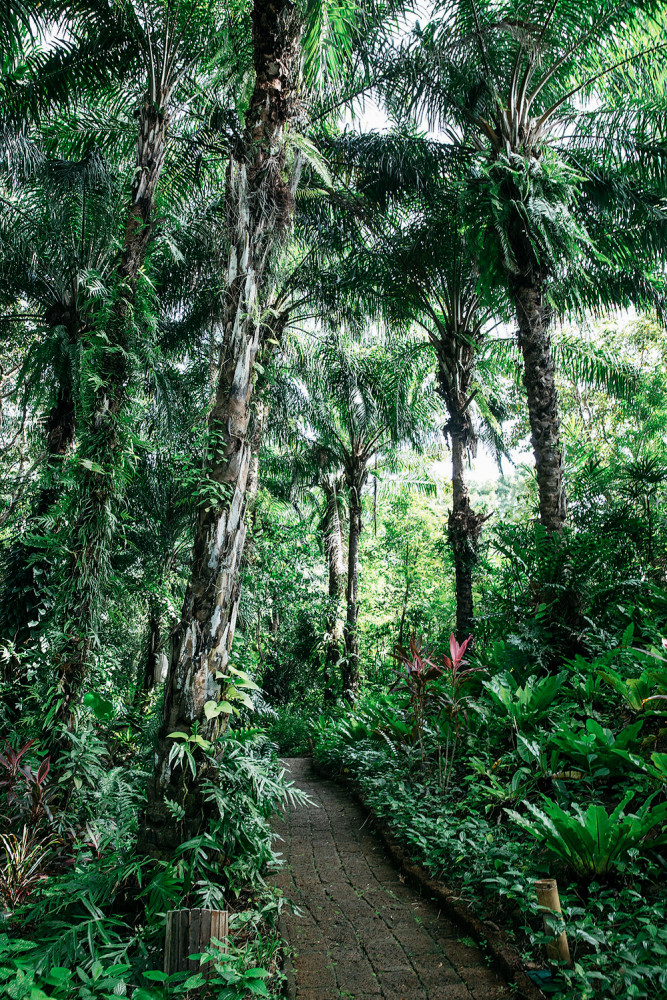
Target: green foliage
{"points": [[290, 731], [524, 705], [491, 830], [647, 690], [386, 306], [536, 193], [598, 750], [232, 978], [593, 842]]}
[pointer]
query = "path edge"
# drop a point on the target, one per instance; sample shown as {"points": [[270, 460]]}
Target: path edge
{"points": [[289, 982], [503, 956]]}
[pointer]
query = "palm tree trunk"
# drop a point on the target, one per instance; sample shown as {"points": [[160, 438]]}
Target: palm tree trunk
{"points": [[406, 593], [101, 437], [463, 530], [259, 207], [351, 663], [61, 425], [534, 318], [457, 349], [149, 679], [333, 547]]}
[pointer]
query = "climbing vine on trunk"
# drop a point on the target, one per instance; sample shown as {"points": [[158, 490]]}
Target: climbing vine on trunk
{"points": [[107, 369]]}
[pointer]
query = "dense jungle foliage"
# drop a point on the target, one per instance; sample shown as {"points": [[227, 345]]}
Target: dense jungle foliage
{"points": [[333, 420]]}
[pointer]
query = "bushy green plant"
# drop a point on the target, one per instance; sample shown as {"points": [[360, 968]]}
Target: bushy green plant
{"points": [[376, 716], [597, 750], [20, 979], [593, 842], [523, 705], [619, 941], [648, 690], [506, 780]]}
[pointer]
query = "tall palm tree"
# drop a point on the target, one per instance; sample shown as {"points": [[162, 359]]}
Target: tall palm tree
{"points": [[360, 399], [292, 46], [414, 264], [258, 206], [57, 228], [418, 263], [170, 41], [517, 86], [419, 268], [151, 63]]}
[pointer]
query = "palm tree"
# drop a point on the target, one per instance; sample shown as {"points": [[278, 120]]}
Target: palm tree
{"points": [[56, 256], [153, 58], [517, 87], [418, 265], [414, 264], [290, 47], [258, 207], [169, 41], [56, 259], [419, 269], [359, 399]]}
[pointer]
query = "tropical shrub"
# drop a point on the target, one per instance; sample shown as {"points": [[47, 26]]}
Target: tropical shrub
{"points": [[593, 842], [290, 731], [599, 751], [523, 705]]}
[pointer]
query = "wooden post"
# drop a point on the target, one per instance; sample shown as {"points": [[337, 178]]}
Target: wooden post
{"points": [[189, 932], [549, 902]]}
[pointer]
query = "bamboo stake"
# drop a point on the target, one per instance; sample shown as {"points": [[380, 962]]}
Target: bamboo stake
{"points": [[549, 902]]}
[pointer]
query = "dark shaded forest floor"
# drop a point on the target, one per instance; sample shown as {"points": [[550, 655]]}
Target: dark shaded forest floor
{"points": [[363, 933]]}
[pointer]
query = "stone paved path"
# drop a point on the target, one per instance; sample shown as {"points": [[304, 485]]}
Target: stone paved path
{"points": [[364, 934]]}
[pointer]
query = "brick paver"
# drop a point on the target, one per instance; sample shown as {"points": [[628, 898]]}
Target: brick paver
{"points": [[362, 932]]}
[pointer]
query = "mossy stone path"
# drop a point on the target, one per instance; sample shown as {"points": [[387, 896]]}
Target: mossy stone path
{"points": [[364, 933]]}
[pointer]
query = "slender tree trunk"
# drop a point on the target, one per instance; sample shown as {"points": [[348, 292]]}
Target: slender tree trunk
{"points": [[351, 663], [534, 318], [259, 206], [457, 350], [406, 595], [154, 646], [463, 529], [333, 547], [102, 435]]}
